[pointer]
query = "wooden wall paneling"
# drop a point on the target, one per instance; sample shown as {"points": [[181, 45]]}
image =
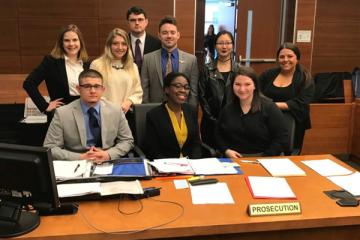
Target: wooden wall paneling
{"points": [[185, 16], [58, 9], [305, 18], [331, 129], [337, 36], [9, 38], [38, 37], [355, 148], [112, 13], [265, 30], [12, 92], [9, 46]]}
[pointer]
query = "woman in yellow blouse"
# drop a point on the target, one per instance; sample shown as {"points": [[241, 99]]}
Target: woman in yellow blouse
{"points": [[120, 73], [172, 129]]}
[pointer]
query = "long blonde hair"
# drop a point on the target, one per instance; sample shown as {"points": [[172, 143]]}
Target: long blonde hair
{"points": [[107, 57], [58, 50]]}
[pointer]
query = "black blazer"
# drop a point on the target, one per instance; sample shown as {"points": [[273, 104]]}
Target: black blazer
{"points": [[53, 71], [151, 44], [160, 139]]}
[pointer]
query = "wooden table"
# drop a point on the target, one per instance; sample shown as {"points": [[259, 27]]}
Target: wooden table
{"points": [[321, 217]]}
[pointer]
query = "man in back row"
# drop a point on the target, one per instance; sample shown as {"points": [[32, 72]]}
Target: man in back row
{"points": [[169, 58], [89, 128], [141, 42]]}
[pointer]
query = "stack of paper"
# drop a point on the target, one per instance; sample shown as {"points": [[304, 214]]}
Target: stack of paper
{"points": [[281, 167], [348, 182], [103, 189], [205, 166], [71, 169], [211, 194], [326, 167], [269, 187]]}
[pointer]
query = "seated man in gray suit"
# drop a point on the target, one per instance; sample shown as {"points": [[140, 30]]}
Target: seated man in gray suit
{"points": [[89, 128], [169, 58]]}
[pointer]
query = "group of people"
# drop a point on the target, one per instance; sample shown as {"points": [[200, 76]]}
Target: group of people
{"points": [[241, 113]]}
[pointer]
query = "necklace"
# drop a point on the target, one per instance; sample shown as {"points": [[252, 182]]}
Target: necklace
{"points": [[224, 60]]}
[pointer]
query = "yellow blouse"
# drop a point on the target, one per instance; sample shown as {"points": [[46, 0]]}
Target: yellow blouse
{"points": [[181, 130]]}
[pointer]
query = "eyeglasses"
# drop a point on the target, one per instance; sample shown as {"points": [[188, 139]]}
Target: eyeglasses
{"points": [[179, 86], [224, 43], [88, 87]]}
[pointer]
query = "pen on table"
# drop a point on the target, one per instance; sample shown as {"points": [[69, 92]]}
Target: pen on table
{"points": [[178, 164], [77, 167], [249, 161]]}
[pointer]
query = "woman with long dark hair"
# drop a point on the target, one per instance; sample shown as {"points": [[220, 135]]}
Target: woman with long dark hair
{"points": [[291, 87]]}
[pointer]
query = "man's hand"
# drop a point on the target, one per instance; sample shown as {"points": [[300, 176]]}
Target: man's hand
{"points": [[96, 154]]}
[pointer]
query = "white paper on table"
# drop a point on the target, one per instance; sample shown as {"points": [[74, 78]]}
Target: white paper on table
{"points": [[129, 187], [326, 167], [181, 184], [65, 169], [217, 193], [172, 165], [211, 166], [281, 167], [103, 169], [270, 187], [77, 189], [350, 183]]}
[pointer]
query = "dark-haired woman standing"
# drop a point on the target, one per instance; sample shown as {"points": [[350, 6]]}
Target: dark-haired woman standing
{"points": [[291, 87], [215, 85]]}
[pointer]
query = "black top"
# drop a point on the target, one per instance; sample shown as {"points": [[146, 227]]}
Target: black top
{"points": [[215, 90], [279, 94], [151, 44], [209, 43], [160, 139], [263, 131], [298, 97], [53, 71]]}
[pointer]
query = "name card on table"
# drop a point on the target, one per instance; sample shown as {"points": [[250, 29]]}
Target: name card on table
{"points": [[268, 209]]}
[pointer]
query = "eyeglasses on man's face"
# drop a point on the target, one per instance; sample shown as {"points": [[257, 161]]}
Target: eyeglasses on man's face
{"points": [[179, 86], [88, 87], [224, 43]]}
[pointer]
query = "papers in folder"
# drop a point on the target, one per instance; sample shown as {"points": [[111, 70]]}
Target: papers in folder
{"points": [[205, 166], [269, 187], [71, 169], [281, 167], [103, 189]]}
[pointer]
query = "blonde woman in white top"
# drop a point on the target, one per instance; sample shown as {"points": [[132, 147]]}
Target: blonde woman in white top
{"points": [[121, 77]]}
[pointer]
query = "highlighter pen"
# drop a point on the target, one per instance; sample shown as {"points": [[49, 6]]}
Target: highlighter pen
{"points": [[195, 178]]}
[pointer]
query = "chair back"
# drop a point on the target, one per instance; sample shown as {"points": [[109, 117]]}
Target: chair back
{"points": [[290, 125], [140, 111]]}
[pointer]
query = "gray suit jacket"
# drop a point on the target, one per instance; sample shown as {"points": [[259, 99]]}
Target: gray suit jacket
{"points": [[152, 78], [66, 135]]}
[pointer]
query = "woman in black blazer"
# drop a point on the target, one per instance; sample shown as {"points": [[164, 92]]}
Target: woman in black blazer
{"points": [[172, 129], [60, 71]]}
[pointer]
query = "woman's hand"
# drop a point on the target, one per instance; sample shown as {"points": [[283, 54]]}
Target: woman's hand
{"points": [[232, 154], [125, 106], [54, 104]]}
